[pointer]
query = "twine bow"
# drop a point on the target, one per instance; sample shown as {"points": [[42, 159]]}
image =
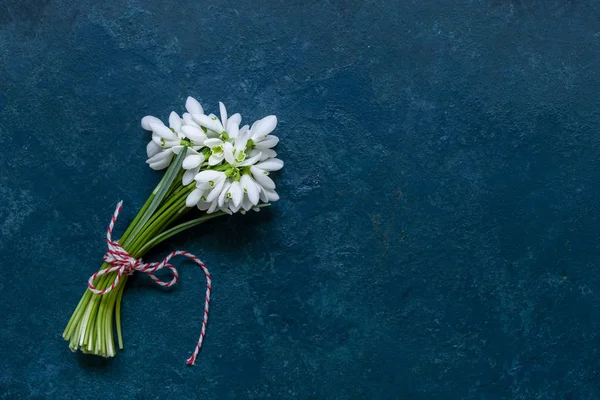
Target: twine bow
{"points": [[124, 264]]}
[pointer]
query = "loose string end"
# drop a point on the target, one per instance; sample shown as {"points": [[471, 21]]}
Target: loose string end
{"points": [[192, 360]]}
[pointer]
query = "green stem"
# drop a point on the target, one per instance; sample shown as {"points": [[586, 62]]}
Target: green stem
{"points": [[91, 325], [161, 190]]}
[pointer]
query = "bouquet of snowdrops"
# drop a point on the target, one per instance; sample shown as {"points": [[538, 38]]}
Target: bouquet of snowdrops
{"points": [[211, 164]]}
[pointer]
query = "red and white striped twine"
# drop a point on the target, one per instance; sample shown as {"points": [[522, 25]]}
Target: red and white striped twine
{"points": [[123, 263]]}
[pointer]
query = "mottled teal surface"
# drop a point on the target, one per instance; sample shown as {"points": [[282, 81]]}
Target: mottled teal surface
{"points": [[437, 236]]}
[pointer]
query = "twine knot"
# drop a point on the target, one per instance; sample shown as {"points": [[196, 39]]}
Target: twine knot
{"points": [[124, 264]]}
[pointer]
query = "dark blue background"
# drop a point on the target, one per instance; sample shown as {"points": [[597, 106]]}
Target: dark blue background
{"points": [[437, 233]]}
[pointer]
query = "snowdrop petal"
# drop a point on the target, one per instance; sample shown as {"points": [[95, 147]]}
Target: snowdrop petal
{"points": [[235, 119], [163, 155], [263, 127], [228, 152], [188, 176], [188, 120], [212, 142], [162, 164], [203, 205], [152, 149], [209, 175], [215, 159], [149, 119], [203, 185], [234, 208], [216, 191], [268, 142], [212, 208], [271, 195], [265, 154], [250, 188], [222, 196], [273, 164], [194, 133], [193, 198], [223, 112], [263, 196], [236, 193], [175, 121], [241, 141], [175, 148], [262, 178], [193, 106], [246, 204], [163, 131], [193, 161], [226, 210], [269, 123], [250, 161], [208, 122], [254, 127], [233, 126], [161, 160]]}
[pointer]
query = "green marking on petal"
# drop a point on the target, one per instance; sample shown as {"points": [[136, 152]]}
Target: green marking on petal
{"points": [[239, 157], [217, 150]]}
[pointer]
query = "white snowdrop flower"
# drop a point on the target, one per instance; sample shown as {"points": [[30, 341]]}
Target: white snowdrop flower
{"points": [[160, 160], [147, 120], [194, 197], [263, 154], [273, 164], [236, 156], [233, 125], [261, 140], [216, 147], [223, 112], [152, 149], [235, 194], [251, 189], [261, 128], [271, 194], [191, 164], [223, 199], [194, 133], [159, 150], [193, 106], [267, 142], [211, 183], [189, 121], [210, 122], [261, 176], [170, 140]]}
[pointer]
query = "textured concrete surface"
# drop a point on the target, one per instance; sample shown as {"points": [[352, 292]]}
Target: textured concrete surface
{"points": [[437, 234]]}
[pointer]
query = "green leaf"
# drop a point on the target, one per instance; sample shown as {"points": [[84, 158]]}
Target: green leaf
{"points": [[161, 190]]}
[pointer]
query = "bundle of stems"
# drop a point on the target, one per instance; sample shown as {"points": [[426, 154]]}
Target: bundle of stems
{"points": [[90, 328]]}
